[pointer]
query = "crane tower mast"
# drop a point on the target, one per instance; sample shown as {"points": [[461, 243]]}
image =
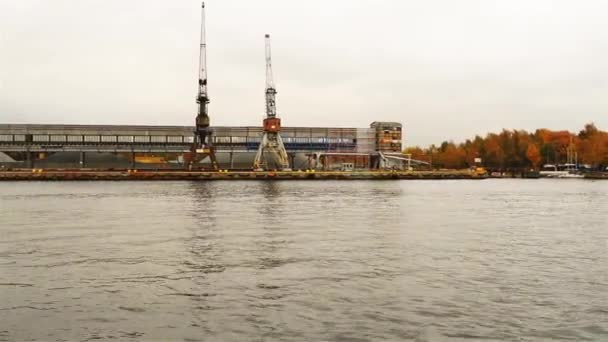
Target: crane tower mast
{"points": [[203, 146], [271, 152], [271, 109]]}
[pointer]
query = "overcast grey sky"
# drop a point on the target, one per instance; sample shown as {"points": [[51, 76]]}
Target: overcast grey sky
{"points": [[447, 69]]}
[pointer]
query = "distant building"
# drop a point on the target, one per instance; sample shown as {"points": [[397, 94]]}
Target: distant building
{"points": [[56, 146], [388, 136]]}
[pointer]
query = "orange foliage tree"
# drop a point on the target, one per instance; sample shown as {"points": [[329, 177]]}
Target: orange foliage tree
{"points": [[533, 155], [518, 149]]}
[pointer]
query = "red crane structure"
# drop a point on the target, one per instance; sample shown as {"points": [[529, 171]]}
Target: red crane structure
{"points": [[271, 153]]}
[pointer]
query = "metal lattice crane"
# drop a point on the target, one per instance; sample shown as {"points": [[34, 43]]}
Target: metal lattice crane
{"points": [[271, 153], [203, 145]]}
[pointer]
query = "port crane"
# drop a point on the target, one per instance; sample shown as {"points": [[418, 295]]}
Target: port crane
{"points": [[203, 144], [271, 152]]}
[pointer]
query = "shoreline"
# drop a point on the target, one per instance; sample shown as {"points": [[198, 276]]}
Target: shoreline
{"points": [[147, 175]]}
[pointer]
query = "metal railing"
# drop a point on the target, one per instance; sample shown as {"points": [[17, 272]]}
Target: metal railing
{"points": [[42, 142]]}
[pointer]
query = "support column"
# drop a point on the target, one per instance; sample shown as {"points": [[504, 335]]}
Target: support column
{"points": [[132, 160], [231, 159], [30, 158], [82, 159], [292, 160]]}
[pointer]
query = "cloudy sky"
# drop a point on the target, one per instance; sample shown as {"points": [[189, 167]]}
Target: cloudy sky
{"points": [[446, 69]]}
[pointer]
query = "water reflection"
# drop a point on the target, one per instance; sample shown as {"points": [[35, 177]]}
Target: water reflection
{"points": [[202, 191], [204, 249], [271, 189], [270, 205]]}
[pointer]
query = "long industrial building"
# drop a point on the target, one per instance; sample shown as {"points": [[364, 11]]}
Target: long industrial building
{"points": [[112, 146]]}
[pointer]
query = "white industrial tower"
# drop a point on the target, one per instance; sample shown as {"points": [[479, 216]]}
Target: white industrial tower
{"points": [[271, 154]]}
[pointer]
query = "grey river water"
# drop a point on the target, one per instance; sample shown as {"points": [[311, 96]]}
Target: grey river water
{"points": [[492, 260]]}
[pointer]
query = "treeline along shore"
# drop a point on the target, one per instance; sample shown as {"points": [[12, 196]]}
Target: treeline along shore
{"points": [[519, 149]]}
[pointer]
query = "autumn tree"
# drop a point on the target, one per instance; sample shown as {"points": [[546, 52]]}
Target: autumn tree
{"points": [[417, 153], [533, 155], [519, 149]]}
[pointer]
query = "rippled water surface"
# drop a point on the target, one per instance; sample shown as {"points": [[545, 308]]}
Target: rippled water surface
{"points": [[292, 261]]}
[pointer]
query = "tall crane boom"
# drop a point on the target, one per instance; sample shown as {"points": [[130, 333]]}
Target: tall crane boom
{"points": [[271, 109], [202, 72]]}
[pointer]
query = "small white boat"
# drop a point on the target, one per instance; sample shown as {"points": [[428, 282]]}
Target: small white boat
{"points": [[571, 175], [560, 171]]}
